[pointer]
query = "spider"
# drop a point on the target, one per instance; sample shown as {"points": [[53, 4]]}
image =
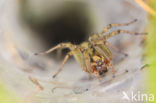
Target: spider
{"points": [[94, 55]]}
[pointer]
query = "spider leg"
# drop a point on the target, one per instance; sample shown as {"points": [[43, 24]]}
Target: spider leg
{"points": [[87, 62], [61, 45], [108, 27], [115, 48], [113, 71], [119, 32], [115, 25], [59, 54], [111, 46], [62, 65], [83, 58], [105, 51], [84, 61]]}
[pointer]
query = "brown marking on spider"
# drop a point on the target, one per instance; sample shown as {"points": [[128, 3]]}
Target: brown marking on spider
{"points": [[94, 55]]}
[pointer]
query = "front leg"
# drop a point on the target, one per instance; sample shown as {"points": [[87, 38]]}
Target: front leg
{"points": [[108, 27], [61, 45], [64, 61]]}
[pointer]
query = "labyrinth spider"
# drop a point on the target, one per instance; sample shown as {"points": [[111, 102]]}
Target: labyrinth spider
{"points": [[94, 56]]}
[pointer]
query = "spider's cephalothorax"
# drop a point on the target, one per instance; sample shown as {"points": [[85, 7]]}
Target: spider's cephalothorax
{"points": [[94, 56]]}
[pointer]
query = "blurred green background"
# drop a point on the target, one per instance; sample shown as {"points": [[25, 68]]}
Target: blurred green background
{"points": [[7, 96], [151, 50]]}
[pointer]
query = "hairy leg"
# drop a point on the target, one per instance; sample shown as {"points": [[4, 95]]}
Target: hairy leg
{"points": [[113, 33], [64, 61], [121, 32], [115, 25], [87, 66], [61, 45], [107, 28], [103, 42], [113, 71], [103, 51], [115, 48]]}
